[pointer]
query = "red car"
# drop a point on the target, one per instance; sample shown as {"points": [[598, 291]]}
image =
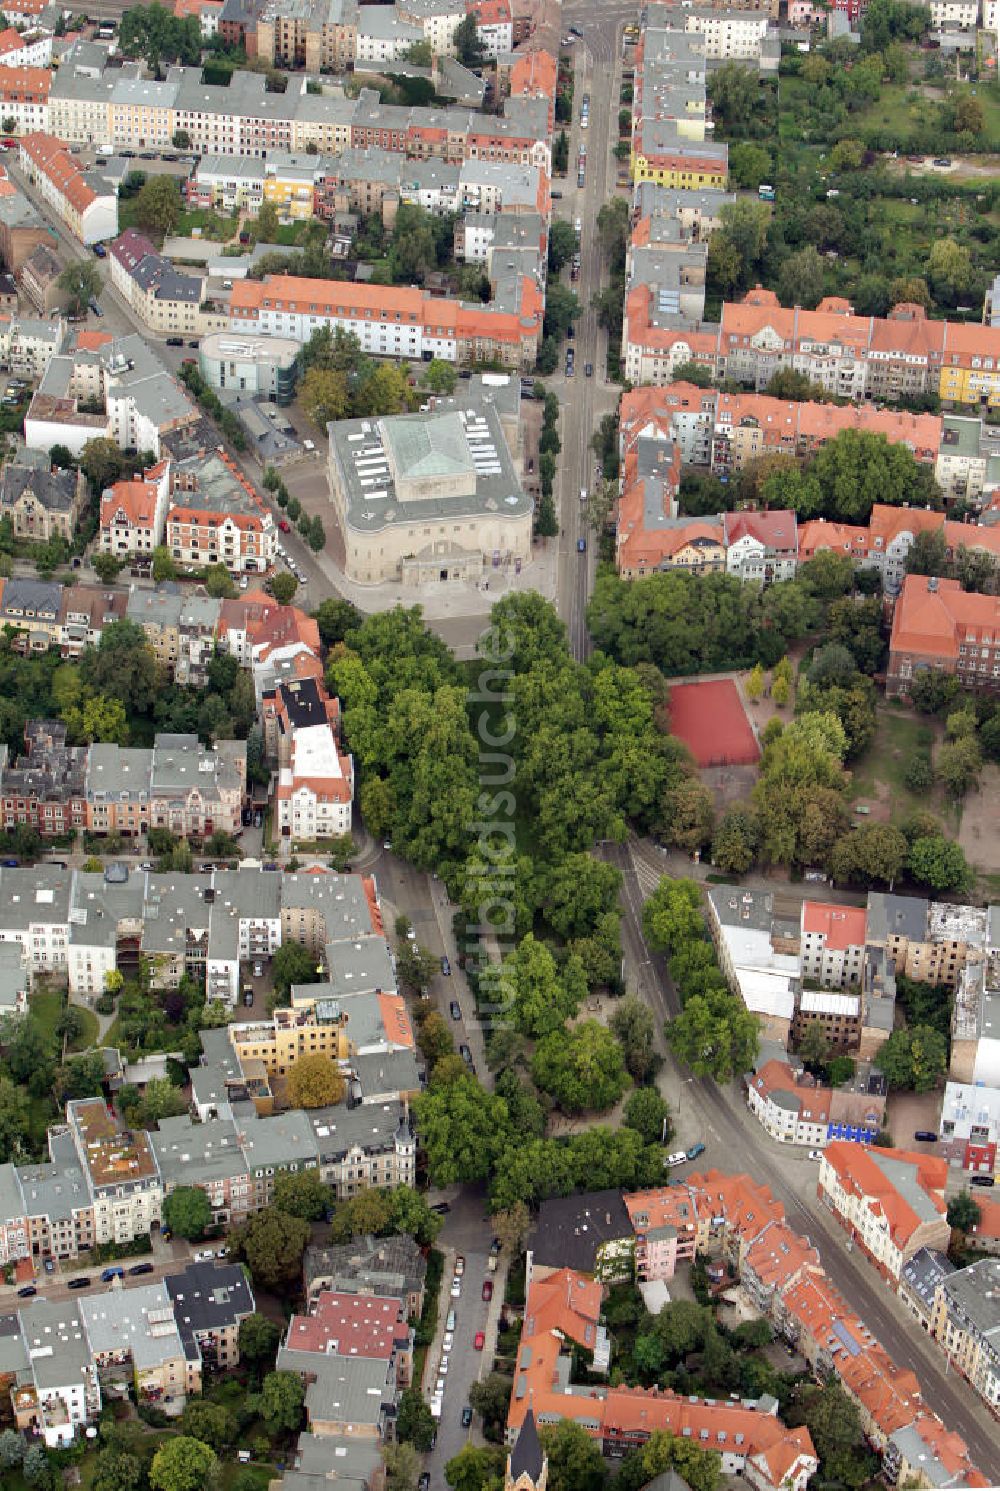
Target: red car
{"points": [[488, 1289], [480, 1340], [285, 526]]}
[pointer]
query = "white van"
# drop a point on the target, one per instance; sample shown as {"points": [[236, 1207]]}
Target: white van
{"points": [[679, 1157]]}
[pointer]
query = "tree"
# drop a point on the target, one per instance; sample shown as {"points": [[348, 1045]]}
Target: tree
{"points": [[542, 1000], [313, 1081], [212, 1423], [647, 1112], [575, 1462], [283, 587], [187, 1211], [949, 268], [749, 164], [267, 223], [584, 1071], [272, 1242], [434, 1038], [833, 1421], [963, 1212], [258, 1339], [302, 1193], [164, 567], [183, 1463], [81, 283], [463, 1130], [715, 1035], [754, 686], [512, 1227], [440, 376], [36, 1468], [734, 92], [292, 964], [325, 395], [734, 845], [914, 1060], [633, 1025], [101, 461], [563, 243], [561, 309], [476, 1468], [282, 1397], [181, 140], [688, 813], [402, 1464], [117, 1470], [335, 619], [414, 1421], [410, 1212], [158, 205], [939, 863], [11, 1449], [219, 582], [875, 853], [672, 914], [814, 1047], [959, 763], [800, 280]]}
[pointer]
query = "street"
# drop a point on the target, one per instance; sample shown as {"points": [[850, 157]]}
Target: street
{"points": [[734, 1141]]}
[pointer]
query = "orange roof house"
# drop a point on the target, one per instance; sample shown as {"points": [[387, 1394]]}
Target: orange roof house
{"points": [[936, 624], [839, 927], [890, 1200]]}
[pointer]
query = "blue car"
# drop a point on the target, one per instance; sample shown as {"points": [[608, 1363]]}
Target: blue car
{"points": [[581, 546]]}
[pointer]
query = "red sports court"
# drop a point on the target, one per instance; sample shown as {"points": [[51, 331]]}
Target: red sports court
{"points": [[711, 721]]}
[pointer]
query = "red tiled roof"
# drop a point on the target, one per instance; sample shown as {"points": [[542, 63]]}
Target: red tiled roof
{"points": [[932, 618], [357, 1325], [842, 926]]}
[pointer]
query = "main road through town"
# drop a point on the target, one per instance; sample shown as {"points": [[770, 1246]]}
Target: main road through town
{"points": [[597, 61], [735, 1142]]}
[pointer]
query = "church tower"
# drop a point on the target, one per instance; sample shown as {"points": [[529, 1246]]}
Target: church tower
{"points": [[527, 1467]]}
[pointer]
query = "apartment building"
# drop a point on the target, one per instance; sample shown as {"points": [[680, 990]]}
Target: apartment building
{"points": [[966, 1324], [315, 786], [41, 501], [355, 1326], [318, 35], [124, 1183], [266, 367], [832, 943], [135, 1342], [393, 322], [936, 624], [975, 1049], [757, 939], [24, 49], [133, 514], [215, 516], [84, 200], [795, 1109], [24, 96], [891, 532], [39, 274], [889, 1201], [969, 1127], [44, 788], [388, 1266], [59, 1391], [166, 299]]}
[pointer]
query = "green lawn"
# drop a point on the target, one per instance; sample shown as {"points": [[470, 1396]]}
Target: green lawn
{"points": [[88, 1035], [47, 1005], [217, 229], [900, 736]]}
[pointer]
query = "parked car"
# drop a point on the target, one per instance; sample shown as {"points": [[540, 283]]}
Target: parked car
{"points": [[114, 1272], [466, 1416], [695, 1151], [449, 1337], [140, 1268], [446, 967], [284, 525], [27, 1291], [926, 1136], [982, 1180], [248, 998], [460, 1265], [455, 1010], [440, 1385], [81, 1283], [449, 1323], [678, 1157], [456, 1287], [588, 369], [99, 250], [442, 1208], [487, 1289], [258, 969], [194, 343], [424, 1483], [480, 1340], [205, 1256], [50, 1265], [175, 341], [465, 1054], [815, 1154], [95, 307], [581, 546]]}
